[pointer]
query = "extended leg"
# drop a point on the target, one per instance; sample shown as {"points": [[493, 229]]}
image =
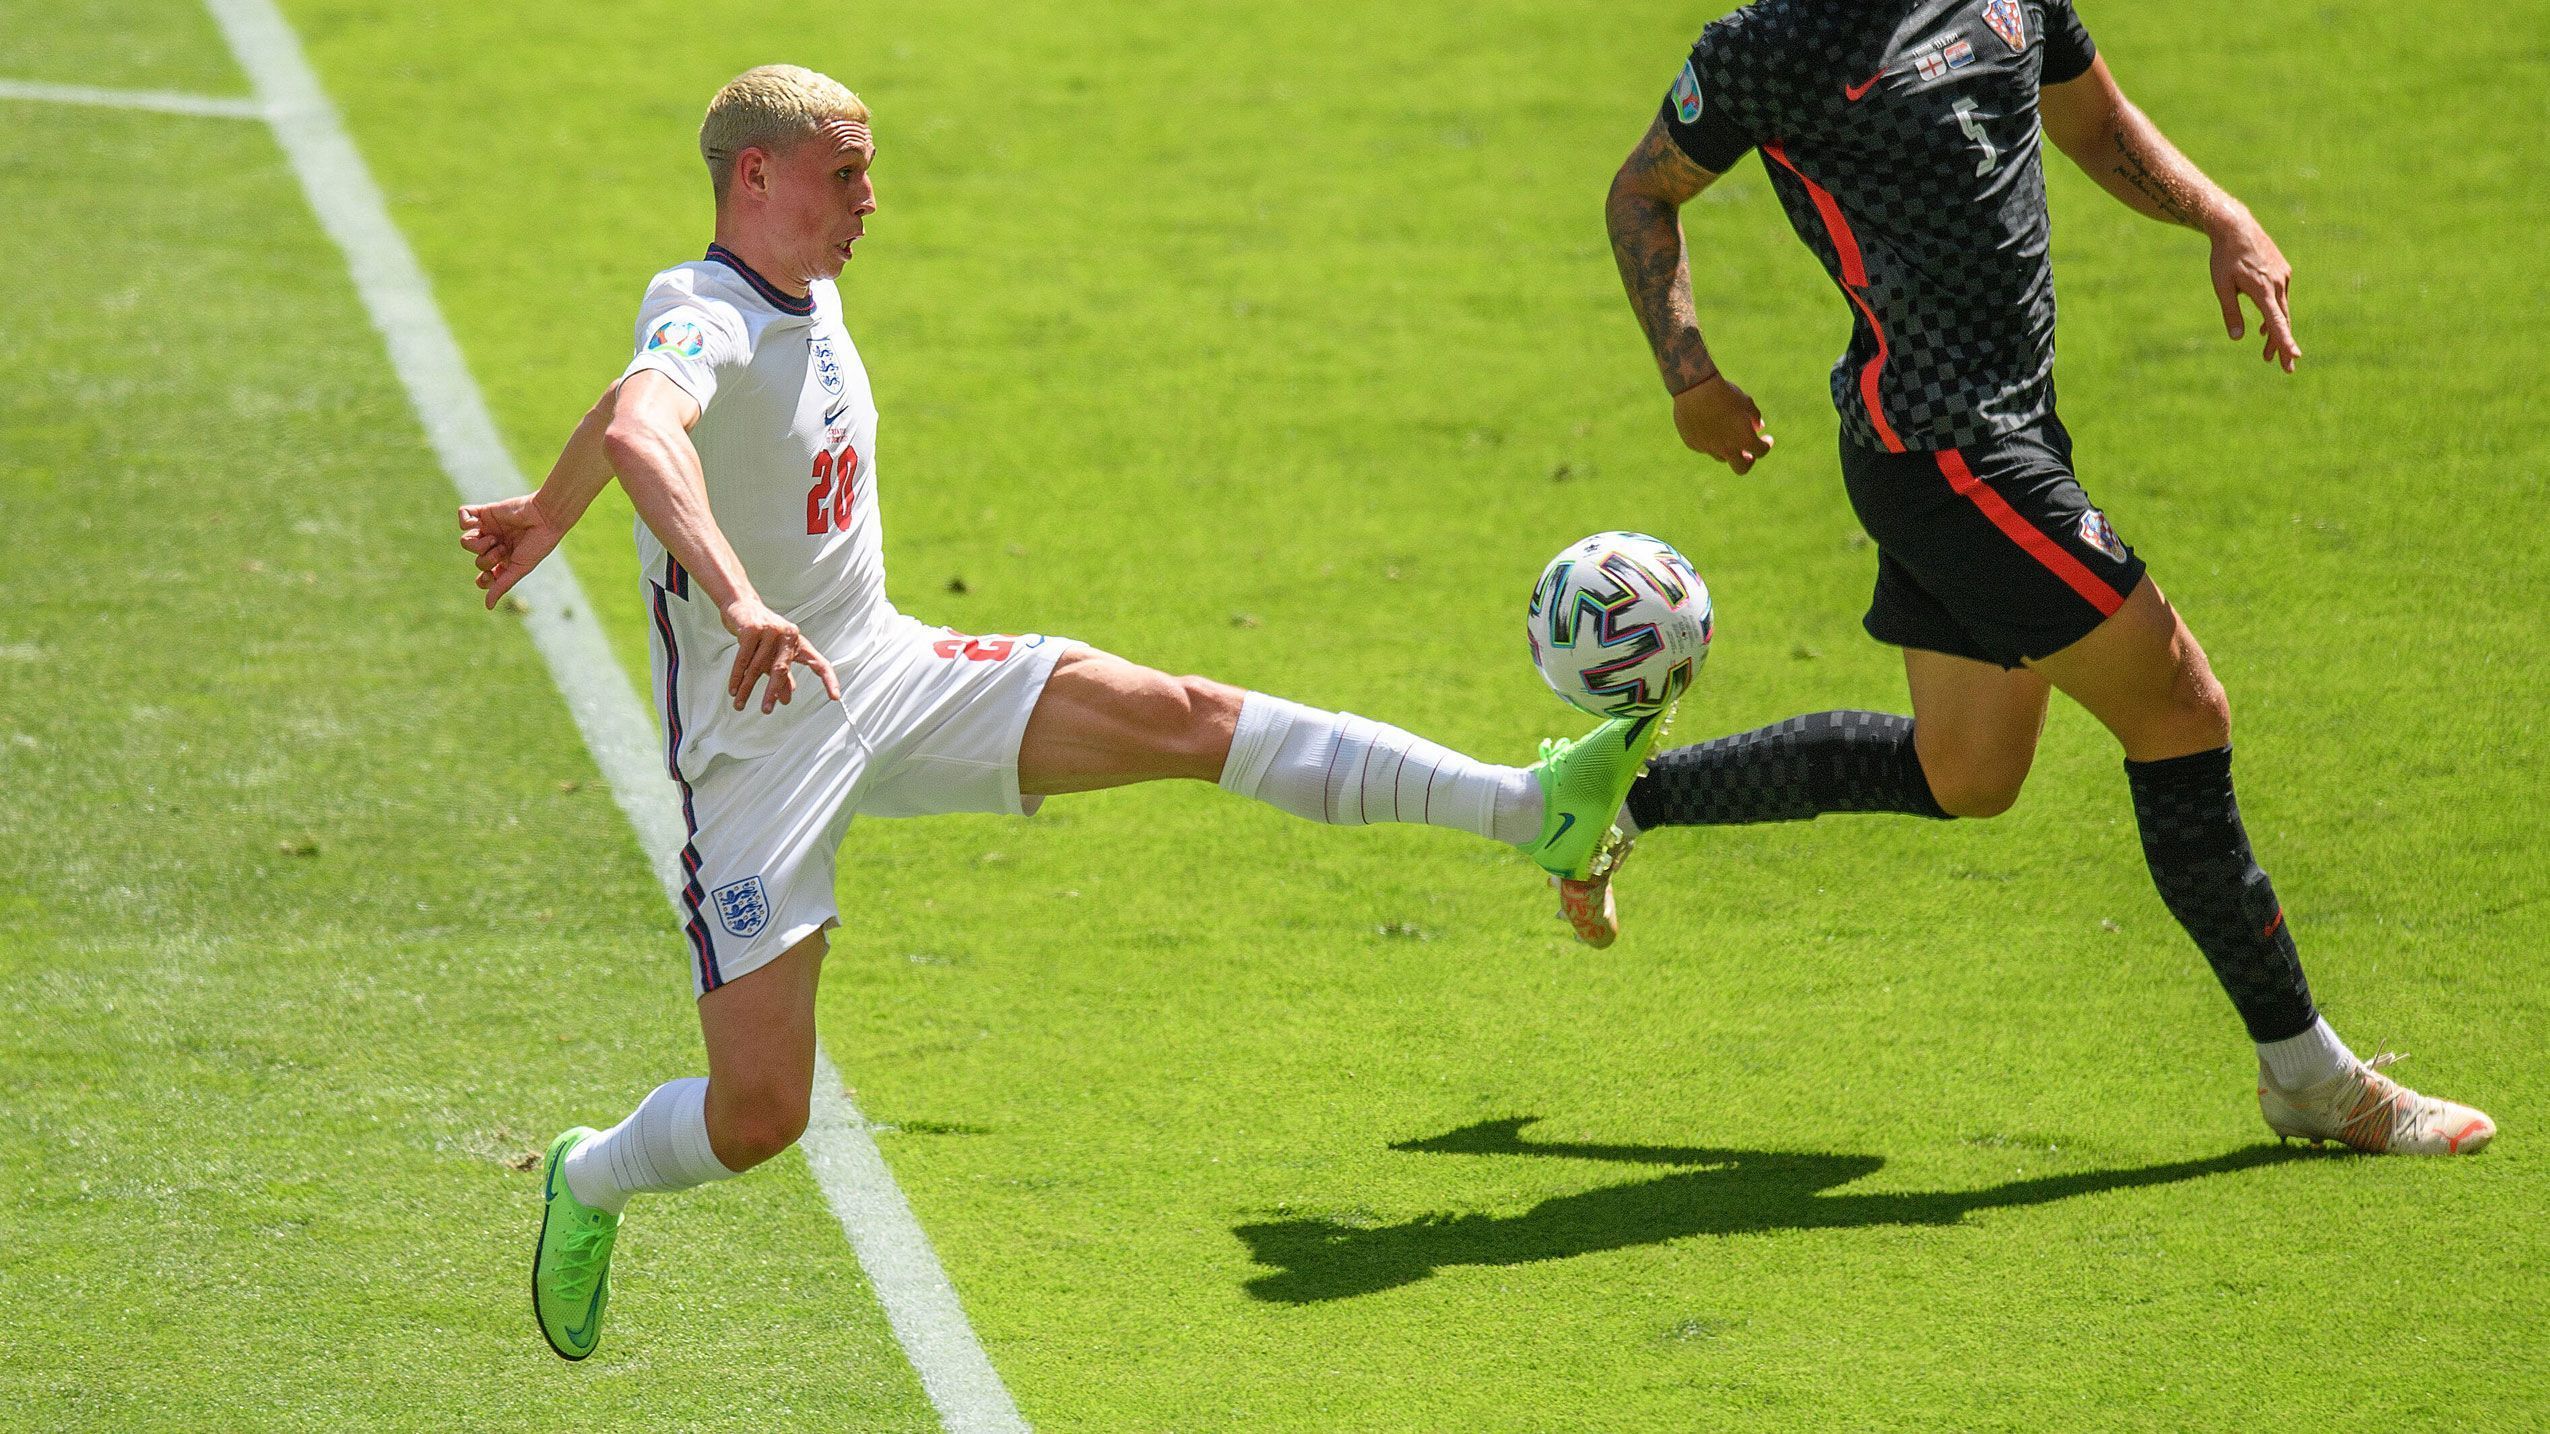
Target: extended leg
{"points": [[1965, 751], [1104, 722]]}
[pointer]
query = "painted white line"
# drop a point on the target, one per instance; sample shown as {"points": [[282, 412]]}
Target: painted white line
{"points": [[919, 1302], [164, 101]]}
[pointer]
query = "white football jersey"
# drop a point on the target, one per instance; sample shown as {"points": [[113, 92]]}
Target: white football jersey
{"points": [[787, 444]]}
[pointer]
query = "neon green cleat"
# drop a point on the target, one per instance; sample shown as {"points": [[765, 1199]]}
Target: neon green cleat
{"points": [[1583, 783], [571, 1266]]}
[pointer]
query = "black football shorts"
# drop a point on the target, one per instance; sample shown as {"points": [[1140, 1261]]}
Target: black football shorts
{"points": [[1991, 551]]}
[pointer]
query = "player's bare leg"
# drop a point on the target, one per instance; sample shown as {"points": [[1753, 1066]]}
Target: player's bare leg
{"points": [[1106, 722], [2143, 674], [760, 1032], [1975, 728]]}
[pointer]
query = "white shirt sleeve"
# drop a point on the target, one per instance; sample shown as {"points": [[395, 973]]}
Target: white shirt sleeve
{"points": [[689, 339]]}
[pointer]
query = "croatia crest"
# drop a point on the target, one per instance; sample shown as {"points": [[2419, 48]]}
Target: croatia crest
{"points": [[743, 907], [2007, 21], [827, 368], [1686, 95], [2096, 531]]}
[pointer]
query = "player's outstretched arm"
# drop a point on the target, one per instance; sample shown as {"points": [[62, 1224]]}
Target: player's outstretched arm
{"points": [[510, 537], [2115, 143], [648, 442], [1643, 212]]}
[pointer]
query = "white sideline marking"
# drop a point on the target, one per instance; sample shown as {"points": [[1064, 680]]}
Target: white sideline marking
{"points": [[164, 101], [919, 1302]]}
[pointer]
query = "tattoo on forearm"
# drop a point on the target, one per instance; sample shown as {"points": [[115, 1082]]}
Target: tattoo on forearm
{"points": [[2177, 200], [1646, 242]]}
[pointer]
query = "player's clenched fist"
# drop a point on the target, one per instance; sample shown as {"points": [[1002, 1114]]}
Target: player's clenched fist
{"points": [[1717, 418], [767, 645]]}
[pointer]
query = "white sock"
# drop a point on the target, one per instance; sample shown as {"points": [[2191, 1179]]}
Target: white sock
{"points": [[1348, 771], [1628, 824], [663, 1145], [2297, 1062]]}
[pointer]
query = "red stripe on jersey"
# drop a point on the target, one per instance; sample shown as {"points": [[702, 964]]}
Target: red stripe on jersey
{"points": [[2045, 550], [1845, 244], [1854, 279]]}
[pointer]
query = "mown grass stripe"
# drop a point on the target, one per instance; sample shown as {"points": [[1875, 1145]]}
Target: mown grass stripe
{"points": [[162, 101]]}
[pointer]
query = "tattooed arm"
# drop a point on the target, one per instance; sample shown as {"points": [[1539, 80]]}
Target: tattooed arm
{"points": [[1643, 212], [2116, 144]]}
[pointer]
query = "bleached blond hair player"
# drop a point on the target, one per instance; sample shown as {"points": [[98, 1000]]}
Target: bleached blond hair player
{"points": [[745, 434]]}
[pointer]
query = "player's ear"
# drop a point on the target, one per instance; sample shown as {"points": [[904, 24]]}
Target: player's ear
{"points": [[752, 169]]}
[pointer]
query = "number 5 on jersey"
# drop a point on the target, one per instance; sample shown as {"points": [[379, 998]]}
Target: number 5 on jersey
{"points": [[828, 502]]}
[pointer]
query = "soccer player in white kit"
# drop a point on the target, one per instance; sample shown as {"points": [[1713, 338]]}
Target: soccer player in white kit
{"points": [[745, 434]]}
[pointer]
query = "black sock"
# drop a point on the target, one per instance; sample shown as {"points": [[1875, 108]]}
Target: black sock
{"points": [[1790, 771], [2200, 860]]}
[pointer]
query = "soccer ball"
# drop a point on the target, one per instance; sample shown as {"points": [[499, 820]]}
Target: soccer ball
{"points": [[1620, 624]]}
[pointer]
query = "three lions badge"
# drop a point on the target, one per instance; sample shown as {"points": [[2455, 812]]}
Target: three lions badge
{"points": [[743, 908]]}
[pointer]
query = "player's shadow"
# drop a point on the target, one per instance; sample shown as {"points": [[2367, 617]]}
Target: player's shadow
{"points": [[1722, 1192]]}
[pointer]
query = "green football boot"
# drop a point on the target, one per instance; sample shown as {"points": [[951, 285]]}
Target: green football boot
{"points": [[571, 1267], [1583, 783]]}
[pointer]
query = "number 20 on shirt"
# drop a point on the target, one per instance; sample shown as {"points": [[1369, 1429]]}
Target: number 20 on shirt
{"points": [[828, 501]]}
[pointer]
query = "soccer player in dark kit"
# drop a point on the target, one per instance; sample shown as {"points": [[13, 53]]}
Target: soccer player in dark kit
{"points": [[1902, 139]]}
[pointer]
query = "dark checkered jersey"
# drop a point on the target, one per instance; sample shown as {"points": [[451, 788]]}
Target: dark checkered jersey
{"points": [[1903, 141]]}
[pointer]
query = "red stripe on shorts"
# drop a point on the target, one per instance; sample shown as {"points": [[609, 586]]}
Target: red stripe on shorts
{"points": [[2053, 555]]}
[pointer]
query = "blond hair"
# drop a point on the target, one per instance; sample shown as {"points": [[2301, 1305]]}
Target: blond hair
{"points": [[770, 107]]}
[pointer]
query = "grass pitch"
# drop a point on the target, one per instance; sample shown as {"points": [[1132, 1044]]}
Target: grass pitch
{"points": [[1283, 349]]}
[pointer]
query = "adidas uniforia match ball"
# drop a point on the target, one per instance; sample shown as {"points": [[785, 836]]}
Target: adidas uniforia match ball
{"points": [[1620, 624]]}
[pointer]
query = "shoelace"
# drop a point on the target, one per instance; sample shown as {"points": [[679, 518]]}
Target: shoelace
{"points": [[581, 1251], [2379, 1102]]}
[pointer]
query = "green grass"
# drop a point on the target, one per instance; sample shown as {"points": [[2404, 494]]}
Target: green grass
{"points": [[1282, 347]]}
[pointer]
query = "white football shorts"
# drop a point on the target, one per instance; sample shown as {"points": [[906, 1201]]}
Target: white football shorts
{"points": [[929, 721]]}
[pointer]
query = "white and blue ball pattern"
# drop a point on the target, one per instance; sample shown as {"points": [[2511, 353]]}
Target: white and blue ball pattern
{"points": [[1620, 624]]}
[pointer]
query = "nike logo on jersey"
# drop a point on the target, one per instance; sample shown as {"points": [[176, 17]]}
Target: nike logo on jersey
{"points": [[838, 409], [1853, 92]]}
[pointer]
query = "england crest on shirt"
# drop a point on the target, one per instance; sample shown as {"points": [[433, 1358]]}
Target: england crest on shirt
{"points": [[2007, 21], [743, 908], [827, 368]]}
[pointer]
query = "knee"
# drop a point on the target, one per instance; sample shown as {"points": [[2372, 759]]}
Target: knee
{"points": [[759, 1127], [2209, 710], [1972, 778], [1975, 793], [2195, 718]]}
